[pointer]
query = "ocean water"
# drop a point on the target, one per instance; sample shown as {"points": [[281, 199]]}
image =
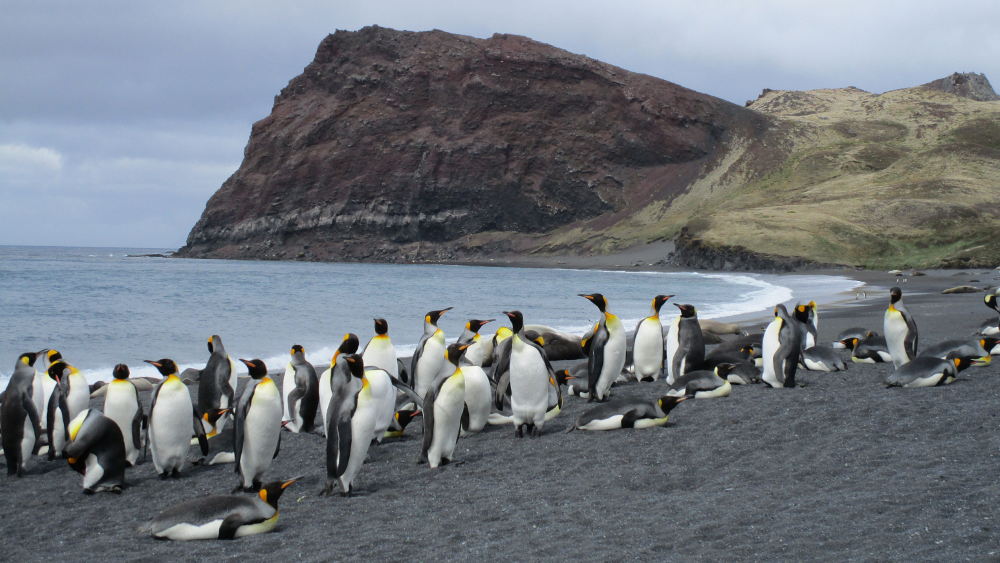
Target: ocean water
{"points": [[99, 307]]}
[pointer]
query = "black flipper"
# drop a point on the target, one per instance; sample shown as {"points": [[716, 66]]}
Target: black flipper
{"points": [[227, 530], [465, 419], [406, 390], [278, 447], [501, 391], [199, 432], [346, 432], [137, 421], [629, 418], [428, 414]]}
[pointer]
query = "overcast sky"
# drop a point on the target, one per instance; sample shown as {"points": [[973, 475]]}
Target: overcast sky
{"points": [[118, 120]]}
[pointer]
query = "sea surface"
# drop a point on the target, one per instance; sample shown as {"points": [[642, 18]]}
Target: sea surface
{"points": [[100, 307]]}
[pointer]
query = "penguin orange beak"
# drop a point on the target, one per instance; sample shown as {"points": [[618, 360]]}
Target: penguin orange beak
{"points": [[151, 362], [289, 482]]}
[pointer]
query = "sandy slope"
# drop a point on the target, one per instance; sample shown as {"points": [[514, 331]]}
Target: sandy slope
{"points": [[840, 469]]}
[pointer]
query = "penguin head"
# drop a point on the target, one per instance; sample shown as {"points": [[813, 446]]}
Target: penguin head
{"points": [[533, 336], [503, 333], [213, 415], [895, 294], [802, 313], [563, 376], [28, 358], [667, 403], [597, 299], [722, 370], [780, 311], [381, 326], [475, 324], [53, 356], [271, 492], [166, 367], [121, 371], [991, 302], [849, 343], [298, 352], [687, 311], [404, 417], [355, 364], [58, 371], [349, 345], [659, 300], [747, 350], [961, 363], [455, 351], [215, 343], [516, 320], [256, 368], [989, 342], [432, 317]]}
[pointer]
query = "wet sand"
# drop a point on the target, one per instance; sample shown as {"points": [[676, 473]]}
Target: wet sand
{"points": [[841, 469]]}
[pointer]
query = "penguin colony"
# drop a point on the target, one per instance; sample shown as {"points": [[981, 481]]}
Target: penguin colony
{"points": [[363, 398]]}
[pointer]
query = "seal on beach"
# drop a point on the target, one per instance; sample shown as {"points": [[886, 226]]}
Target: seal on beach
{"points": [[170, 426], [428, 358], [647, 344], [379, 352], [627, 413], [57, 415], [123, 406], [219, 516], [300, 393], [606, 353], [18, 415], [818, 358], [216, 381], [685, 344], [346, 382], [97, 452], [445, 412], [900, 329], [782, 349], [704, 384], [531, 378], [257, 426], [926, 372], [349, 345]]}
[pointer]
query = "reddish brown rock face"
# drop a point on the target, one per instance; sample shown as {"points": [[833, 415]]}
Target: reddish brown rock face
{"points": [[390, 141]]}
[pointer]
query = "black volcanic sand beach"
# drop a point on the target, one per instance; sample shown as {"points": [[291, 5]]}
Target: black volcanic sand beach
{"points": [[840, 469]]}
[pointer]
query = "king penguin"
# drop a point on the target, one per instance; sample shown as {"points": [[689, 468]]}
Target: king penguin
{"points": [[38, 387], [300, 393], [647, 344], [18, 415], [685, 344], [607, 347], [258, 427], [531, 380], [807, 324], [474, 354], [992, 326], [97, 452], [57, 416], [326, 384], [782, 349], [444, 412], [704, 384], [170, 422], [627, 413], [900, 329], [351, 423], [123, 406], [428, 358], [926, 372], [219, 516], [478, 393], [379, 352], [217, 382]]}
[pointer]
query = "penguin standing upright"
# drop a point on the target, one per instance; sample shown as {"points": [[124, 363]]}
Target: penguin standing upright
{"points": [[123, 406], [478, 394], [992, 326], [475, 353], [806, 317], [170, 422], [97, 452], [531, 379], [18, 416], [685, 344], [379, 352], [327, 385], [57, 416], [300, 393], [900, 330], [257, 432], [38, 387], [428, 358], [347, 440], [607, 347], [782, 349], [48, 384], [445, 412], [217, 382], [647, 344], [77, 391], [219, 516]]}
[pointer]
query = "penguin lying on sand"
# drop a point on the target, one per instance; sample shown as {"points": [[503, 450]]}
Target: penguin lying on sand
{"points": [[818, 358], [927, 372], [703, 384], [627, 413], [978, 350]]}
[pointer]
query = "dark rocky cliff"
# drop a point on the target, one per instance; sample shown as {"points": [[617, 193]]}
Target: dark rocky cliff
{"points": [[396, 145]]}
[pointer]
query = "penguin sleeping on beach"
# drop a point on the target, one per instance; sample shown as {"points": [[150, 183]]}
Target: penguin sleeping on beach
{"points": [[97, 452], [627, 413]]}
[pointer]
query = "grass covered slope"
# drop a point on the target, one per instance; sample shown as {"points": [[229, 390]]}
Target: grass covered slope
{"points": [[906, 178]]}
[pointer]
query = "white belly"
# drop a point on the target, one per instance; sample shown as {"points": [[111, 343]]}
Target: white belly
{"points": [[721, 391], [170, 427], [287, 386], [48, 385], [384, 398], [673, 343], [429, 364], [614, 356], [769, 348], [58, 433], [381, 353], [610, 423], [325, 394], [28, 441], [529, 385], [478, 395], [93, 473], [362, 429], [38, 396], [647, 350], [448, 407], [120, 406], [474, 353], [895, 336], [927, 381], [79, 395], [260, 432]]}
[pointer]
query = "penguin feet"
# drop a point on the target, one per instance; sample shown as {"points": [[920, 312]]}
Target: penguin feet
{"points": [[535, 431], [330, 485], [176, 474], [518, 432], [347, 493], [163, 476]]}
